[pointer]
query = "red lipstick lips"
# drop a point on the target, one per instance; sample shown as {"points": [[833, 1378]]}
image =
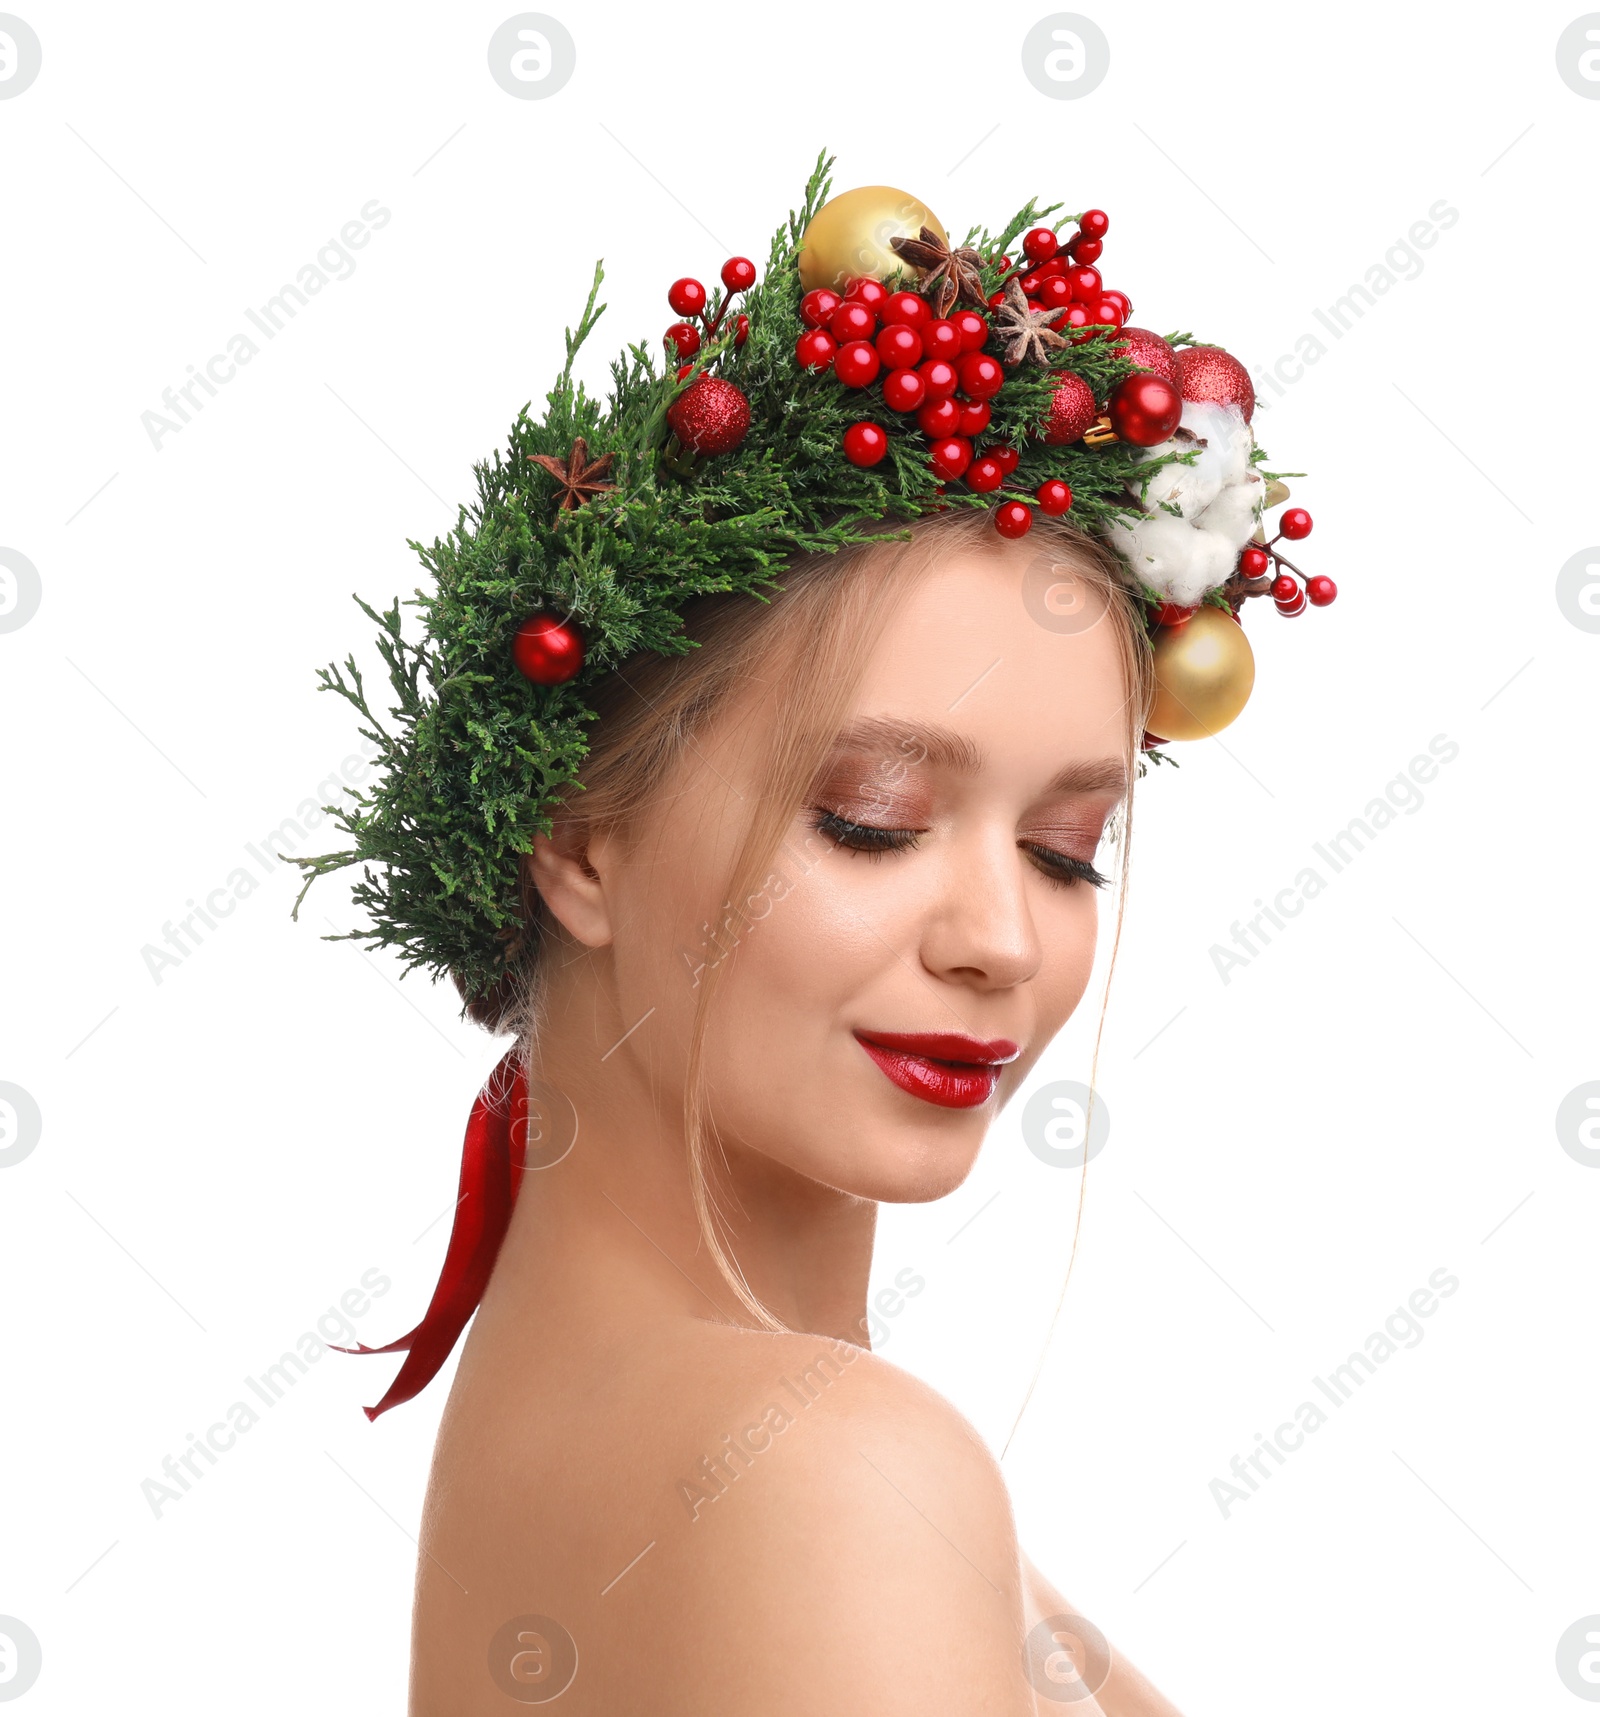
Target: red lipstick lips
{"points": [[943, 1067]]}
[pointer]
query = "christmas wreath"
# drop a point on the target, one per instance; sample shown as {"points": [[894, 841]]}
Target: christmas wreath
{"points": [[873, 372]]}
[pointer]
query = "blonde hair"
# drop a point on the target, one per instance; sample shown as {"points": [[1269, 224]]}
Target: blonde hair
{"points": [[806, 650]]}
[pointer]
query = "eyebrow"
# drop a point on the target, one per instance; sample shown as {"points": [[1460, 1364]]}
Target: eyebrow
{"points": [[947, 749]]}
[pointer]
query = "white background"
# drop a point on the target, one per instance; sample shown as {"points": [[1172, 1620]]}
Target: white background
{"points": [[1371, 1098]]}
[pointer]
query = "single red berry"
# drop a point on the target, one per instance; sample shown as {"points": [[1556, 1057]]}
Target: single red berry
{"points": [[684, 339], [1055, 292], [950, 457], [855, 364], [939, 377], [741, 330], [683, 370], [865, 444], [1290, 609], [1086, 249], [1053, 496], [1172, 614], [984, 474], [1004, 455], [738, 274], [1105, 311], [1074, 316], [815, 348], [1094, 223], [1085, 283], [1144, 409], [867, 291], [981, 376], [852, 321], [1253, 562], [904, 390], [975, 415], [1013, 518], [1029, 283], [899, 347], [1284, 588], [818, 306], [546, 650], [906, 307], [1123, 303], [939, 418], [972, 328], [687, 296], [941, 339], [996, 299], [1003, 263], [1056, 265], [1321, 590], [1295, 523], [1040, 244]]}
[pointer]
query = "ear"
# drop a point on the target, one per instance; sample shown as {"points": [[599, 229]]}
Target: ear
{"points": [[569, 884]]}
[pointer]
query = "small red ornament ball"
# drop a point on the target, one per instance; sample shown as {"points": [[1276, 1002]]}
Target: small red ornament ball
{"points": [[1013, 518], [941, 340], [1094, 223], [972, 328], [546, 650], [852, 321], [1321, 590], [1209, 374], [683, 338], [1123, 303], [950, 457], [1072, 411], [975, 415], [939, 377], [1284, 588], [985, 474], [904, 390], [981, 376], [1040, 244], [865, 444], [867, 291], [1144, 409], [817, 308], [1055, 292], [1295, 523], [1054, 497], [815, 348], [1253, 562], [939, 418], [855, 364], [1150, 352], [1085, 284], [1005, 455], [711, 416], [687, 296], [738, 274], [907, 308], [900, 347], [1086, 249]]}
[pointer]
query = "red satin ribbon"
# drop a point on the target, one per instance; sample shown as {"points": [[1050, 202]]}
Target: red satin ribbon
{"points": [[491, 1172]]}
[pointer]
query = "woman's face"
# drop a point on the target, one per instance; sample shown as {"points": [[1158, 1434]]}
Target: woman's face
{"points": [[929, 922]]}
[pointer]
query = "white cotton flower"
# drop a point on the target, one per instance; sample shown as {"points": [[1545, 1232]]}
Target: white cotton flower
{"points": [[1217, 495]]}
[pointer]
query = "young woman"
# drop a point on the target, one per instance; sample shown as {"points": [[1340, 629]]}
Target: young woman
{"points": [[778, 925]]}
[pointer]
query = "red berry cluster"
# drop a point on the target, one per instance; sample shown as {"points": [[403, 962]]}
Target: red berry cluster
{"points": [[689, 298], [1289, 595]]}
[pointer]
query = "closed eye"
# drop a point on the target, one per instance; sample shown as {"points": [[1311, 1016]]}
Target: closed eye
{"points": [[875, 841], [1062, 867]]}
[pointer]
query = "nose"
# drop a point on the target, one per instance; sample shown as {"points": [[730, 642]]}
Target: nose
{"points": [[981, 931]]}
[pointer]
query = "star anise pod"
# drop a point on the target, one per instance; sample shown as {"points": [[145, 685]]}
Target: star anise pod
{"points": [[1026, 332], [578, 479], [952, 272]]}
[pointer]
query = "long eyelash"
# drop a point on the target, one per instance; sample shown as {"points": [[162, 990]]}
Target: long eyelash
{"points": [[862, 837], [1062, 869]]}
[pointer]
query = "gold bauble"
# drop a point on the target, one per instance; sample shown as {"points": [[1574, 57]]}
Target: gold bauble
{"points": [[849, 235], [1204, 672]]}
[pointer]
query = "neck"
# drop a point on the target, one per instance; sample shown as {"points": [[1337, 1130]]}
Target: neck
{"points": [[612, 1227]]}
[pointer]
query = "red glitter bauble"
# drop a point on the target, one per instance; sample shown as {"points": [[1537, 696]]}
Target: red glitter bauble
{"points": [[712, 416], [1013, 518], [1072, 411], [1209, 374], [546, 650], [865, 444], [1144, 409], [1150, 352]]}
